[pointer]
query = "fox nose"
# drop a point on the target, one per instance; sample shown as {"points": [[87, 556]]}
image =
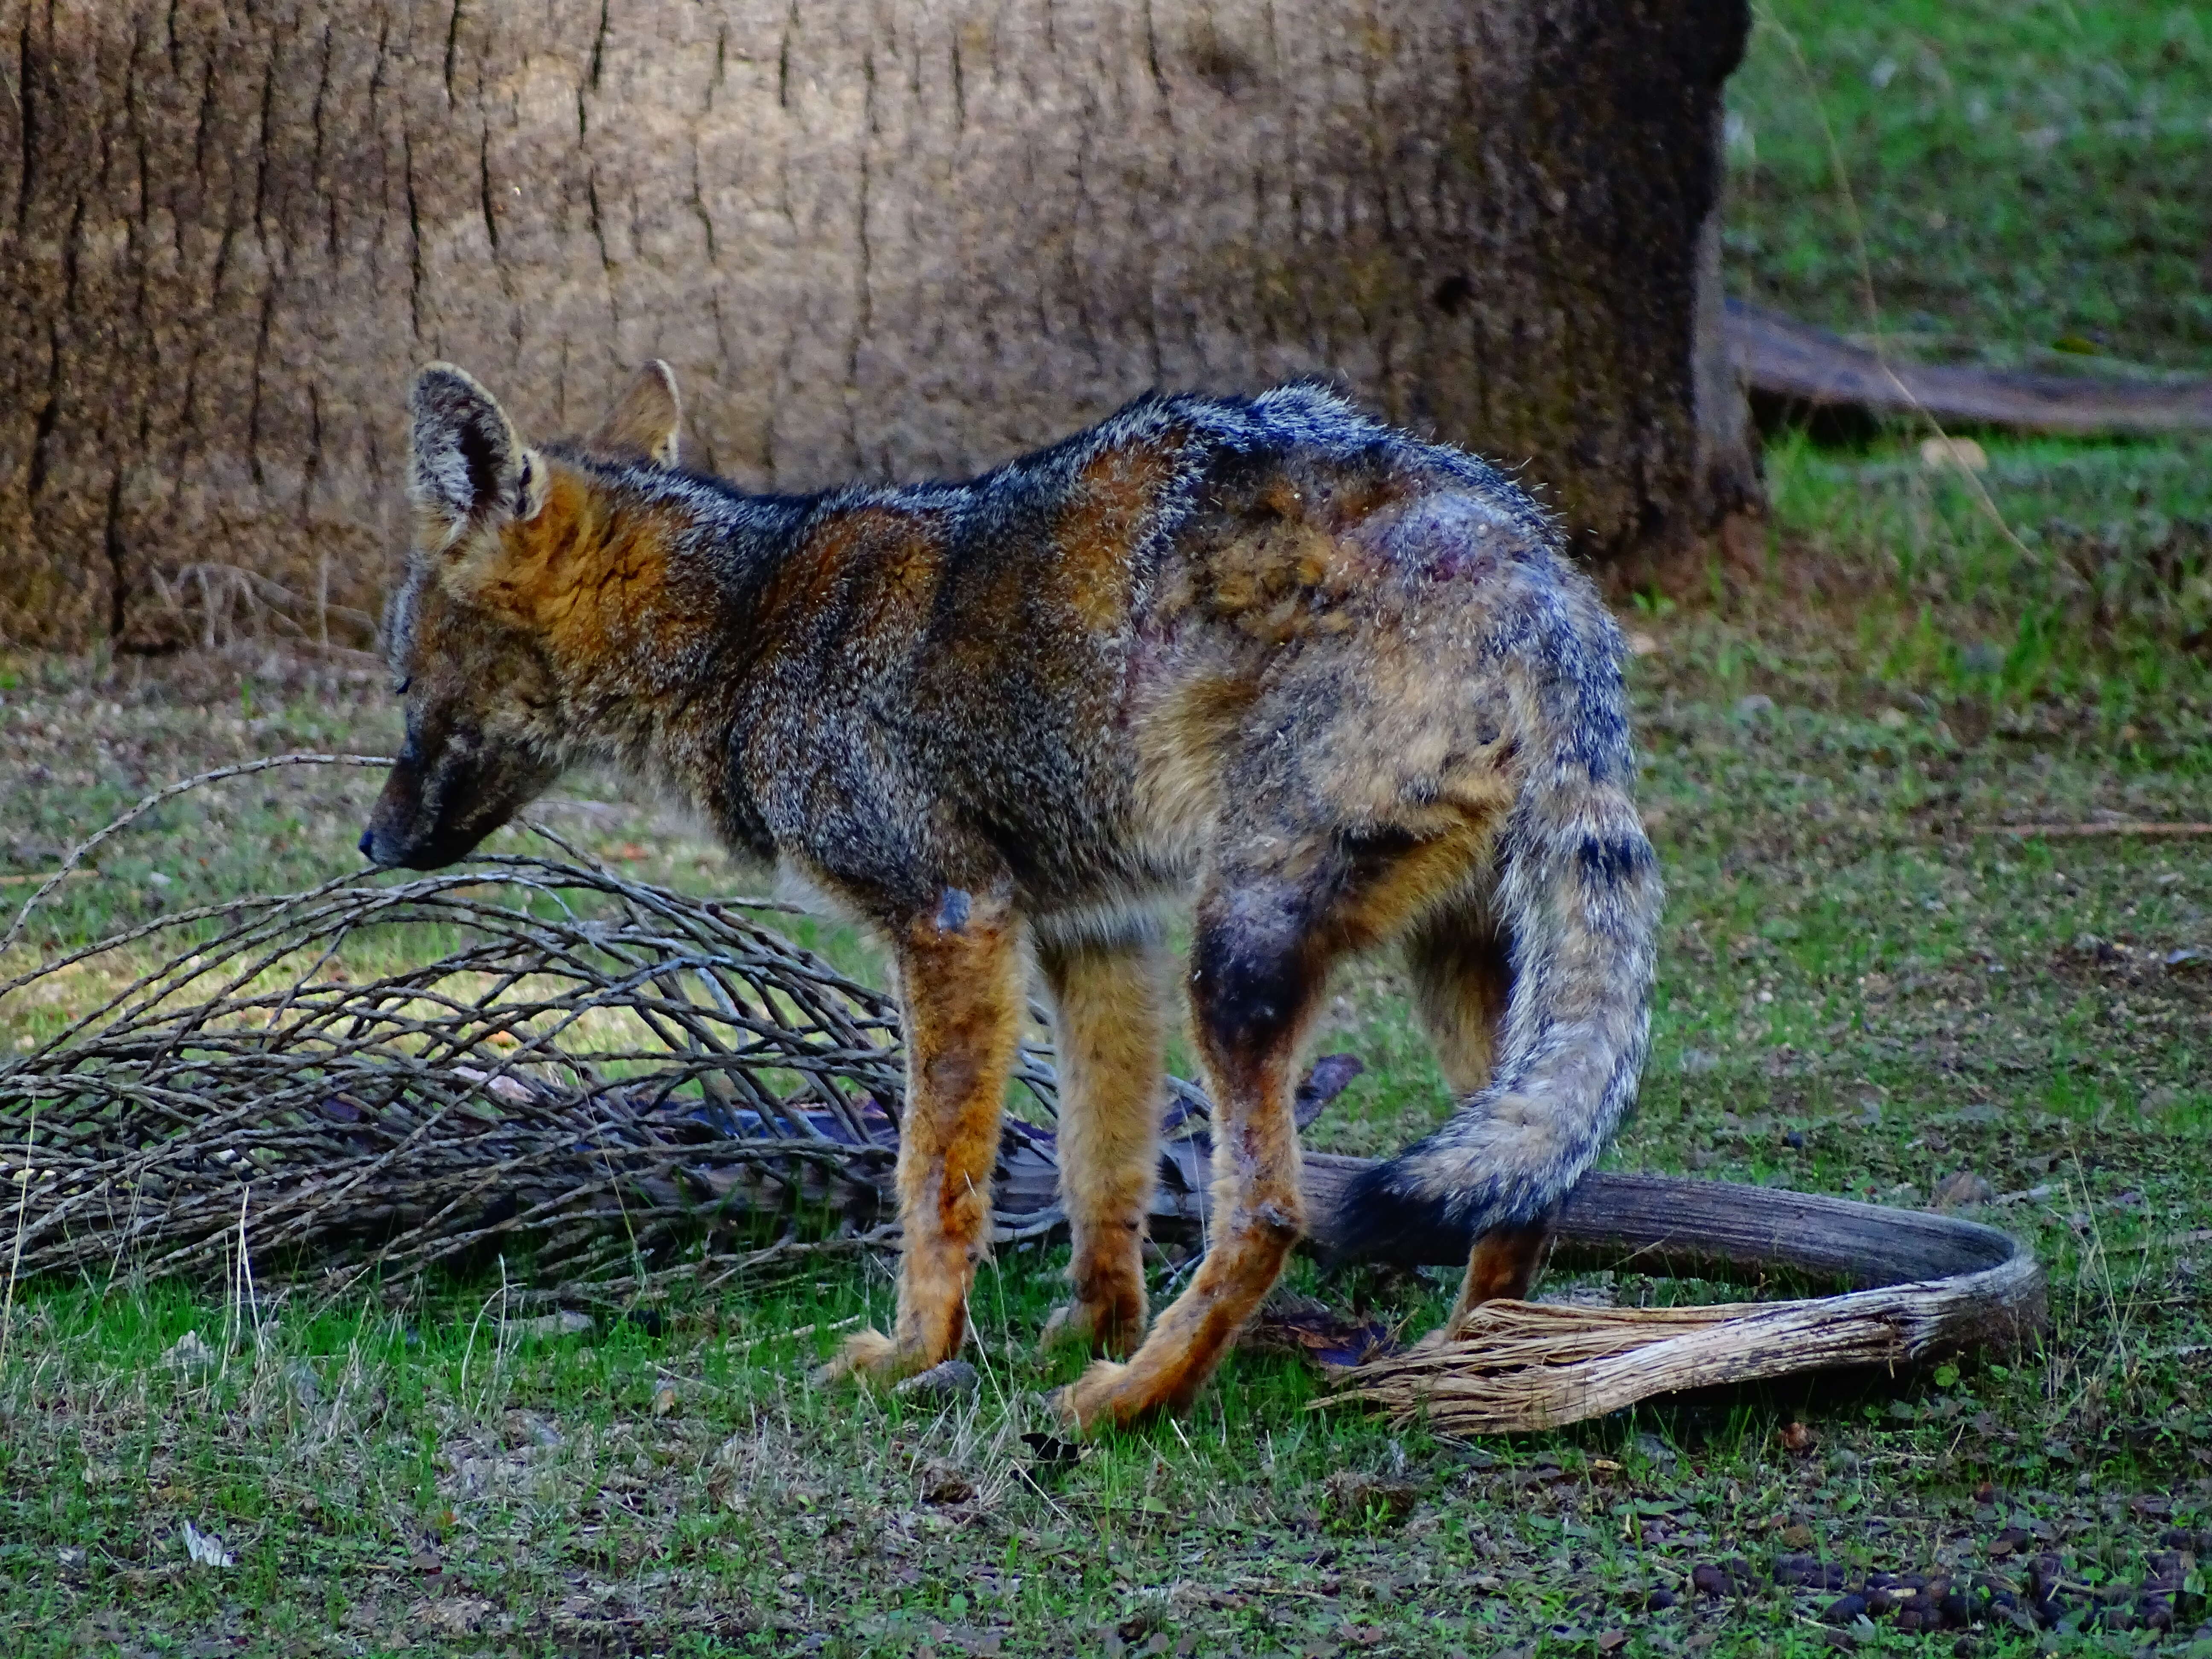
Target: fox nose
{"points": [[368, 844]]}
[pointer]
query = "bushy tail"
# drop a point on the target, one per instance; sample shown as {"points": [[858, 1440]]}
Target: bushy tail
{"points": [[1579, 894]]}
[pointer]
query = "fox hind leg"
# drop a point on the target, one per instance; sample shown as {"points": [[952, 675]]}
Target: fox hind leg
{"points": [[1463, 977], [1109, 1019], [1253, 987], [1503, 1263], [960, 992], [1276, 910]]}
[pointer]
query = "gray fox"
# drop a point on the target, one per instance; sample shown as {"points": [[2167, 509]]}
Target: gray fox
{"points": [[1335, 686]]}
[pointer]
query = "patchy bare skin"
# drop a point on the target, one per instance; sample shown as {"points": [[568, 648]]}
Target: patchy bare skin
{"points": [[1335, 686]]}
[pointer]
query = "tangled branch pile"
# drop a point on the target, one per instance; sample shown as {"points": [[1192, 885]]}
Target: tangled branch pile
{"points": [[621, 1080]]}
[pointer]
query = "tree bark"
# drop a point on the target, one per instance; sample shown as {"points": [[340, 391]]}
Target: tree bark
{"points": [[874, 240]]}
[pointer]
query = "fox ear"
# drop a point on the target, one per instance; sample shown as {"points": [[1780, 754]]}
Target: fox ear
{"points": [[466, 463], [642, 427]]}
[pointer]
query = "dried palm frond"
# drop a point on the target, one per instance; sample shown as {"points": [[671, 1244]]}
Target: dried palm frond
{"points": [[594, 1067]]}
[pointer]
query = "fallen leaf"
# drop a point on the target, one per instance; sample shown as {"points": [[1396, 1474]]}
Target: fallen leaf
{"points": [[1333, 1342], [943, 1483], [451, 1616], [1051, 1451]]}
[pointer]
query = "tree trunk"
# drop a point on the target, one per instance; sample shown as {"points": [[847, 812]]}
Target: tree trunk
{"points": [[874, 240]]}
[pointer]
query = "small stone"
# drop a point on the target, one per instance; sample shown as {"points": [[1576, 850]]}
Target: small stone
{"points": [[1753, 705], [1964, 453], [947, 1381], [1695, 1062], [546, 1326], [1893, 720]]}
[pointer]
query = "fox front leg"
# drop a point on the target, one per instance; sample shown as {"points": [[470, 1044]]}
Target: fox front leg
{"points": [[960, 983]]}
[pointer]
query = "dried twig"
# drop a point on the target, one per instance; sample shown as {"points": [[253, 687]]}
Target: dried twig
{"points": [[168, 791]]}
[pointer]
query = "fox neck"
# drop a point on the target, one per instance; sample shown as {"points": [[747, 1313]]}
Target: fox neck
{"points": [[647, 582]]}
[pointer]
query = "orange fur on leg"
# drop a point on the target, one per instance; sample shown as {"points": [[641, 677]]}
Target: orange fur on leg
{"points": [[960, 991], [1503, 1263], [1257, 1216], [1251, 998], [1107, 1004]]}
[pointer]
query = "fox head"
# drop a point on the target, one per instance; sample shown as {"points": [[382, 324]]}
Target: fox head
{"points": [[472, 634]]}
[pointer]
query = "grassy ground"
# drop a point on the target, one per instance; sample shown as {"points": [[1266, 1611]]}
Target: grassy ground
{"points": [[2033, 178], [1863, 990]]}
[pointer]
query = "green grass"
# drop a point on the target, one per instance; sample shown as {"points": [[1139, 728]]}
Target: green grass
{"points": [[2067, 572], [2033, 178]]}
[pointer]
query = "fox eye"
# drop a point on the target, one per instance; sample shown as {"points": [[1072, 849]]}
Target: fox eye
{"points": [[400, 686]]}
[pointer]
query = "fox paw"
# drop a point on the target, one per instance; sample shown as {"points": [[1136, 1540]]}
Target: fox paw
{"points": [[873, 1358]]}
